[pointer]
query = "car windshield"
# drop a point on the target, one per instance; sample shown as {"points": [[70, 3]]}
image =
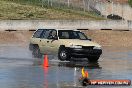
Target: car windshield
{"points": [[70, 34]]}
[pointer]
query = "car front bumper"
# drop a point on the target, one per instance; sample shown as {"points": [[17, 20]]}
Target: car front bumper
{"points": [[80, 52]]}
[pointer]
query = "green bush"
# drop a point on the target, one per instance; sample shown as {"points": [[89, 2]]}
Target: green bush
{"points": [[130, 2]]}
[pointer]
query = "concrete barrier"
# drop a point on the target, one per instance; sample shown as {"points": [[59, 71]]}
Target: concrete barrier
{"points": [[130, 25], [70, 24], [123, 10]]}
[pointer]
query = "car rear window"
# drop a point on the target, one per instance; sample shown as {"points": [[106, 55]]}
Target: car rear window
{"points": [[38, 33]]}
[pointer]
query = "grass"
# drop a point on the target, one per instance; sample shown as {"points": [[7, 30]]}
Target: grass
{"points": [[130, 2], [10, 10]]}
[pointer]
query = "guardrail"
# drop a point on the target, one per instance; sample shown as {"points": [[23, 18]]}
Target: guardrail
{"points": [[8, 25]]}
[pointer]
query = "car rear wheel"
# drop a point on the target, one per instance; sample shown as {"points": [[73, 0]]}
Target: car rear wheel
{"points": [[30, 46], [36, 52], [93, 59], [63, 54]]}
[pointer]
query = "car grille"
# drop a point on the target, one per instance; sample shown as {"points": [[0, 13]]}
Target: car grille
{"points": [[88, 47]]}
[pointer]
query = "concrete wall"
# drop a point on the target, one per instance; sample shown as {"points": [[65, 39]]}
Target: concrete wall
{"points": [[123, 10], [74, 24]]}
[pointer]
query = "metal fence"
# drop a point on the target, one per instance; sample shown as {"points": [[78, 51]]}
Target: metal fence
{"points": [[80, 5]]}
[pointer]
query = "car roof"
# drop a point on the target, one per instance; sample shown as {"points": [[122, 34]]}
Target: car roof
{"points": [[58, 29]]}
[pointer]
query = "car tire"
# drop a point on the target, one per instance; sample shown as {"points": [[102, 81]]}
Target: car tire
{"points": [[93, 59], [63, 54], [36, 52]]}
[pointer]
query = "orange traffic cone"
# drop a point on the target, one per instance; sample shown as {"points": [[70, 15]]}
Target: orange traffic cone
{"points": [[45, 61]]}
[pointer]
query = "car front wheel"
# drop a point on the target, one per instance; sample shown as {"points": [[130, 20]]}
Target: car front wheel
{"points": [[63, 54], [93, 59]]}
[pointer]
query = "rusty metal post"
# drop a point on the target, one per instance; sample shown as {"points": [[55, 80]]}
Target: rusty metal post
{"points": [[84, 5]]}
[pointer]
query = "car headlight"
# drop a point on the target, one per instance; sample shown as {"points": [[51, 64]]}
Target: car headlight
{"points": [[95, 47], [75, 46]]}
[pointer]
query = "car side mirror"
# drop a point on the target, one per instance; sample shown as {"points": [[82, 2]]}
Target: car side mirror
{"points": [[90, 39]]}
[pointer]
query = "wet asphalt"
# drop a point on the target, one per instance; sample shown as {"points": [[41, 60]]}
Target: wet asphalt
{"points": [[18, 69]]}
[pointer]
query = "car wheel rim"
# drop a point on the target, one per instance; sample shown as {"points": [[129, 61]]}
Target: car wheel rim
{"points": [[63, 55]]}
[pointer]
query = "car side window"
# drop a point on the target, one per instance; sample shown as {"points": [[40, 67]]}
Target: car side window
{"points": [[38, 33], [43, 33], [46, 33], [52, 34], [63, 35]]}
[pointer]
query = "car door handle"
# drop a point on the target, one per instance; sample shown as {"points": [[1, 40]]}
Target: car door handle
{"points": [[47, 41]]}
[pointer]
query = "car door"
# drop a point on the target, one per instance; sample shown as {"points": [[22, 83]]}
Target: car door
{"points": [[44, 42], [53, 42]]}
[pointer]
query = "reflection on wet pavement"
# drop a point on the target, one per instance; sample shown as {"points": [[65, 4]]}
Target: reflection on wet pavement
{"points": [[18, 69], [73, 64]]}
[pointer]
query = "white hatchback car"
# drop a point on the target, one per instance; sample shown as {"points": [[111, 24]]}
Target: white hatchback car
{"points": [[66, 43]]}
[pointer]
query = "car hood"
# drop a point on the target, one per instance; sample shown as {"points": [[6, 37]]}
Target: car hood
{"points": [[80, 42]]}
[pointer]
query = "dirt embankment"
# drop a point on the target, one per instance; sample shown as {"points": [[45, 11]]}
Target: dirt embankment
{"points": [[121, 1], [103, 37], [20, 37], [112, 38]]}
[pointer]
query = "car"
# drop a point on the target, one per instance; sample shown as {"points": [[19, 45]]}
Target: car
{"points": [[66, 43]]}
